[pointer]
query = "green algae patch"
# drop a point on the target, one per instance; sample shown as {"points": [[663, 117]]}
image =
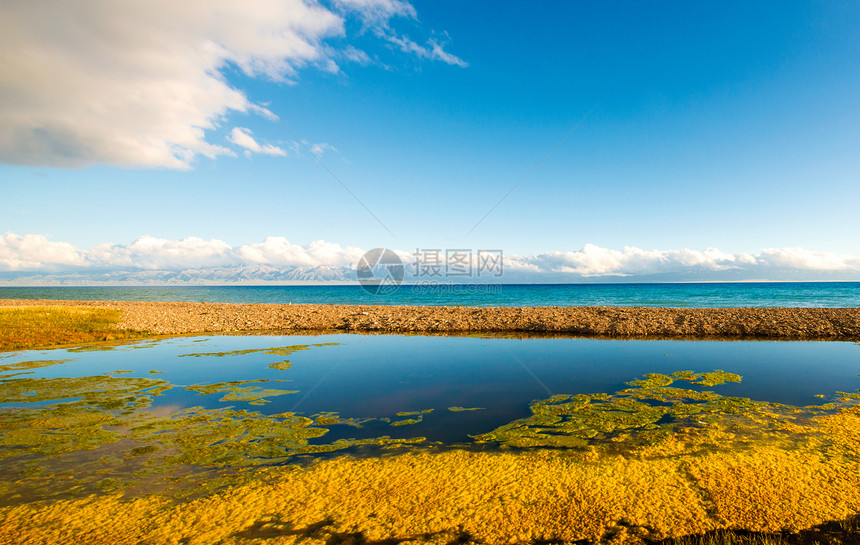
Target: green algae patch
{"points": [[36, 364], [143, 451], [419, 417], [217, 387], [53, 431], [239, 391], [457, 409], [255, 395], [109, 416], [101, 392], [414, 413], [274, 351], [326, 419], [654, 414], [227, 437], [716, 378], [334, 419], [408, 421], [385, 442], [653, 380], [708, 378], [92, 348], [85, 414]]}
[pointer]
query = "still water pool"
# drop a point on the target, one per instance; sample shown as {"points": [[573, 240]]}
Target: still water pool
{"points": [[377, 376], [150, 407]]}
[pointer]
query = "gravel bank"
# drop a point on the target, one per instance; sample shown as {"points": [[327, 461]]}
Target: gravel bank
{"points": [[634, 322]]}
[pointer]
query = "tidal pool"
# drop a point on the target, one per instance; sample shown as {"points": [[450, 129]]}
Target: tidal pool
{"points": [[187, 415], [373, 377]]}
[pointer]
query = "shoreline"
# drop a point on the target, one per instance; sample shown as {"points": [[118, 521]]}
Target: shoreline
{"points": [[773, 323]]}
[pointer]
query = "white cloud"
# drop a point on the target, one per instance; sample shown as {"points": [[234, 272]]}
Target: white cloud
{"points": [[38, 253], [433, 50], [798, 258], [279, 252], [319, 149], [242, 137], [595, 261], [156, 253], [356, 55], [139, 83], [376, 13]]}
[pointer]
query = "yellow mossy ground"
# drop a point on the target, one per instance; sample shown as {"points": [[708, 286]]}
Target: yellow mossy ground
{"points": [[486, 497], [33, 327]]}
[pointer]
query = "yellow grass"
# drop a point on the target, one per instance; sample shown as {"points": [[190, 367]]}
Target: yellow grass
{"points": [[459, 496], [34, 327]]}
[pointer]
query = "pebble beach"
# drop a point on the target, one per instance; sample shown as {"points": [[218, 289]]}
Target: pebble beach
{"points": [[173, 318]]}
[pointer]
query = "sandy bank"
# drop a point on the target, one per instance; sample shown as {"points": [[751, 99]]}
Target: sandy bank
{"points": [[634, 322]]}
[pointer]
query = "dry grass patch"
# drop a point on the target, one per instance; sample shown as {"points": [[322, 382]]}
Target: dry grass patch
{"points": [[34, 327]]}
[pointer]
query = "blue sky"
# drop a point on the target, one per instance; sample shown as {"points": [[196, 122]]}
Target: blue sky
{"points": [[733, 126]]}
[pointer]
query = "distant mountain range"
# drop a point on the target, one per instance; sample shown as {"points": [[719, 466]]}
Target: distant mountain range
{"points": [[257, 274], [325, 274]]}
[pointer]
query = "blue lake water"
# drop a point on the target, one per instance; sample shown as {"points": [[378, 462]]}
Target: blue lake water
{"points": [[377, 376], [752, 294]]}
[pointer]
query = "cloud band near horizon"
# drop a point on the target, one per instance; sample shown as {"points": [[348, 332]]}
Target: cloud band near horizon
{"points": [[34, 253]]}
